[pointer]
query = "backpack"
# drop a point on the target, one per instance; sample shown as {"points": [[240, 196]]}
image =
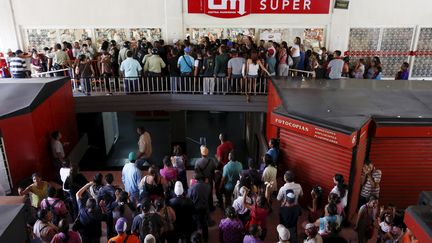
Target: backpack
{"points": [[51, 208], [149, 225]]}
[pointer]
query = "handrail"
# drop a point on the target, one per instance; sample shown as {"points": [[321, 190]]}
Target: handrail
{"points": [[302, 71], [44, 73]]}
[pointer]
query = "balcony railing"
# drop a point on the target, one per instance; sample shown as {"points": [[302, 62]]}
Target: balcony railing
{"points": [[96, 86]]}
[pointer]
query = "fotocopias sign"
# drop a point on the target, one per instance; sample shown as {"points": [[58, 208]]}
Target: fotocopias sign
{"points": [[240, 8]]}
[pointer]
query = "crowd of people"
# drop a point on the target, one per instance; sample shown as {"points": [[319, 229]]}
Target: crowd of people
{"points": [[164, 206], [211, 60]]}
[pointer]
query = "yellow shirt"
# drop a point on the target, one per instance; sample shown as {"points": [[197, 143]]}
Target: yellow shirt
{"points": [[38, 194]]}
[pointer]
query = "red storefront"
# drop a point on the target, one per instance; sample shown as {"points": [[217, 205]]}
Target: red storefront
{"points": [[332, 126], [30, 110]]}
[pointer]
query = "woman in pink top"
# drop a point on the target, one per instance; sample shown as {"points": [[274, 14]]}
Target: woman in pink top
{"points": [[65, 235], [168, 172]]}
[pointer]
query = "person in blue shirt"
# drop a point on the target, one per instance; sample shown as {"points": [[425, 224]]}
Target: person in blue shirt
{"points": [[273, 149], [186, 63], [230, 176], [131, 177], [131, 69]]}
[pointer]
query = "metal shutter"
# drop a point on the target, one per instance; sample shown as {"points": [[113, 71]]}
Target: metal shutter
{"points": [[406, 164], [313, 161]]}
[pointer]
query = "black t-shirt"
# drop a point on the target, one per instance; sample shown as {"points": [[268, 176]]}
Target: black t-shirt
{"points": [[91, 221], [184, 209], [173, 69], [288, 216]]}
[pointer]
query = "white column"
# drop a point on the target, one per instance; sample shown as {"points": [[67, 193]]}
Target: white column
{"points": [[173, 28], [8, 30], [339, 30]]}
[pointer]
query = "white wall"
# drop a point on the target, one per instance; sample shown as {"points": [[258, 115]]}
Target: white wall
{"points": [[172, 17]]}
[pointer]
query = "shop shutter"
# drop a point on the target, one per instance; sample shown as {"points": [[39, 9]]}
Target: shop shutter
{"points": [[406, 164], [313, 161]]}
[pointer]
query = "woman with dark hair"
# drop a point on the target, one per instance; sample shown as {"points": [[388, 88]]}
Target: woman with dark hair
{"points": [[169, 217], [94, 189], [44, 229], [151, 184], [295, 52], [340, 189], [269, 178], [65, 235], [375, 69], [179, 161], [254, 235], [330, 223], [253, 64], [230, 228], [259, 214], [168, 172], [366, 217], [316, 195], [124, 209], [38, 189], [84, 71], [335, 199]]}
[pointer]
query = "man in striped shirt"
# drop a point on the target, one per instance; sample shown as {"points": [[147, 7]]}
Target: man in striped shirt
{"points": [[18, 65], [371, 177]]}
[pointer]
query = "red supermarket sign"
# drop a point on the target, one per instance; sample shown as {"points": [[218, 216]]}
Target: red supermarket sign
{"points": [[240, 8], [316, 132]]}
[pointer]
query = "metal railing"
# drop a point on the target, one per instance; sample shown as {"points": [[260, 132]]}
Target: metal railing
{"points": [[173, 85]]}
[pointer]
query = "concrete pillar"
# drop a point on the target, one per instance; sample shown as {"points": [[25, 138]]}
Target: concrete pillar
{"points": [[339, 30], [8, 29], [173, 28]]}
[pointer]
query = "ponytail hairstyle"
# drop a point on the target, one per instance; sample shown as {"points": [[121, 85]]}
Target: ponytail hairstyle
{"points": [[341, 185], [64, 229], [230, 212]]}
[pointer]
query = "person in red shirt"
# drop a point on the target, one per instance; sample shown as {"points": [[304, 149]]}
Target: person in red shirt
{"points": [[222, 153], [223, 150]]}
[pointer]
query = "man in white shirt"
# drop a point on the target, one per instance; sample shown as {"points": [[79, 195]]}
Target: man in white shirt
{"points": [[289, 185], [335, 66], [57, 147], [131, 69]]}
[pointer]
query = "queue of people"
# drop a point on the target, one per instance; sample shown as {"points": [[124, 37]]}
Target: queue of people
{"points": [[211, 60], [163, 206]]}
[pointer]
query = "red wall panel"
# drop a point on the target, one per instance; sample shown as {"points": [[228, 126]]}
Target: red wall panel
{"points": [[313, 161], [27, 137], [19, 141], [273, 101], [406, 164]]}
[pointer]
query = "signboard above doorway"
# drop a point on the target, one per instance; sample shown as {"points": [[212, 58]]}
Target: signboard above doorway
{"points": [[240, 8]]}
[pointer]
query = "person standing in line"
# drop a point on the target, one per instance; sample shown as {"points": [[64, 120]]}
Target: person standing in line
{"points": [[131, 69], [18, 65], [289, 214], [283, 67], [269, 179], [208, 68], [235, 65], [57, 149], [199, 194], [366, 217], [370, 179], [283, 234], [289, 185], [222, 152], [340, 189], [131, 177], [122, 236], [274, 149], [335, 66], [295, 52], [230, 176], [207, 166], [184, 209], [403, 74], [231, 229], [220, 70], [145, 148]]}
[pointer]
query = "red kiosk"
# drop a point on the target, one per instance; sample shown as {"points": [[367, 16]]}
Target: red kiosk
{"points": [[332, 126], [30, 109]]}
